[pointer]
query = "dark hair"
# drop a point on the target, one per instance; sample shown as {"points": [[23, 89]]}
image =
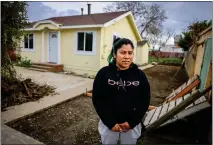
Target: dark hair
{"points": [[119, 42], [117, 45]]}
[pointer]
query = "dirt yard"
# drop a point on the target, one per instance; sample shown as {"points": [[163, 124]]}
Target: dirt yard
{"points": [[161, 83], [75, 121]]}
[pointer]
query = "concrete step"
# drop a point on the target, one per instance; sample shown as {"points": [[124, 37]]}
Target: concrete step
{"points": [[49, 64], [41, 67], [37, 69]]}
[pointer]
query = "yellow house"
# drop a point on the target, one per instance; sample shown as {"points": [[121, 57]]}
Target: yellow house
{"points": [[80, 43]]}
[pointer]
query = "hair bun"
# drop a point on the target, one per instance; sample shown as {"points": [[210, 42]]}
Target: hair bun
{"points": [[116, 40]]}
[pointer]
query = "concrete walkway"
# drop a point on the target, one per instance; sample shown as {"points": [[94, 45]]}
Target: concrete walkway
{"points": [[11, 136], [146, 66]]}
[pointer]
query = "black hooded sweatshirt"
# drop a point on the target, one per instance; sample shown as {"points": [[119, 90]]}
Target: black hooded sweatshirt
{"points": [[117, 103]]}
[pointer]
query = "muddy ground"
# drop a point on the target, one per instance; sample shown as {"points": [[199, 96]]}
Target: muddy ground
{"points": [[75, 121]]}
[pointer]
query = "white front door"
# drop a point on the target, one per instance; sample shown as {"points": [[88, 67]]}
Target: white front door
{"points": [[53, 47]]}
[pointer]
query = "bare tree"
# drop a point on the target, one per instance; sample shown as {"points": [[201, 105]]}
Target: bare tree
{"points": [[154, 34], [147, 16], [169, 33], [158, 37]]}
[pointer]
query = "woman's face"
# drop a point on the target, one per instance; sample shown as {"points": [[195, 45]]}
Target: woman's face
{"points": [[124, 56]]}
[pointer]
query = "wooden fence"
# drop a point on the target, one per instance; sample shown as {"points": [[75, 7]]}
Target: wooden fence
{"points": [[166, 54]]}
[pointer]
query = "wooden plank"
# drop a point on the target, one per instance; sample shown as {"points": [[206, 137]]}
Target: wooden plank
{"points": [[189, 82], [171, 95], [171, 105], [195, 77], [168, 122], [178, 90], [197, 101], [183, 86], [191, 105], [88, 94], [193, 91], [149, 117], [174, 111], [173, 92], [164, 109], [186, 90], [193, 109], [151, 107], [202, 99], [185, 97], [178, 101], [155, 116]]}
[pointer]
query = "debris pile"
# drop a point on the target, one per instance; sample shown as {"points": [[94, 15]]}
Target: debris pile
{"points": [[17, 91]]}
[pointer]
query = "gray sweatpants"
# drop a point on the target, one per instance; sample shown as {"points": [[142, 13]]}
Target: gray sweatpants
{"points": [[111, 137]]}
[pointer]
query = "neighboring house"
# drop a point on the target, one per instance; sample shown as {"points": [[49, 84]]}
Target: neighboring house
{"points": [[80, 43], [142, 54], [172, 49]]}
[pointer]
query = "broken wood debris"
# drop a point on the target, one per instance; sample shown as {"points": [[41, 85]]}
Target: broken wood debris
{"points": [[17, 92]]}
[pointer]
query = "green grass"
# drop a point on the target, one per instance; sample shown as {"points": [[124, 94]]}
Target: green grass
{"points": [[165, 60]]}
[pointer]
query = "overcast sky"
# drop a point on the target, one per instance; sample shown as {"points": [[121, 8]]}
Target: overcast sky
{"points": [[180, 14]]}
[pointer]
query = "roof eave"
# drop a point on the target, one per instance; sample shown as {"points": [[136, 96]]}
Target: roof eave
{"points": [[135, 26], [129, 13], [69, 27], [82, 26]]}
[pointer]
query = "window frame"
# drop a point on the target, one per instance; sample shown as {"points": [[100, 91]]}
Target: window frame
{"points": [[83, 52], [28, 49]]}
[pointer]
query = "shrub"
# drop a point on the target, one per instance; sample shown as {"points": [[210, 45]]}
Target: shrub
{"points": [[24, 62]]}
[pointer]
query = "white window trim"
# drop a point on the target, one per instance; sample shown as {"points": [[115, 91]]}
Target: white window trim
{"points": [[77, 52], [34, 42]]}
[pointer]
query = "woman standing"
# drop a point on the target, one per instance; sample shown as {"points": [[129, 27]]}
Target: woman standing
{"points": [[121, 96]]}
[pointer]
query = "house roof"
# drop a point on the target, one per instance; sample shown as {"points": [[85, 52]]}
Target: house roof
{"points": [[92, 19], [86, 21]]}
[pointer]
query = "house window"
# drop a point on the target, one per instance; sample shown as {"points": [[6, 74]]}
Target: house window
{"points": [[28, 42], [54, 36], [85, 41]]}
